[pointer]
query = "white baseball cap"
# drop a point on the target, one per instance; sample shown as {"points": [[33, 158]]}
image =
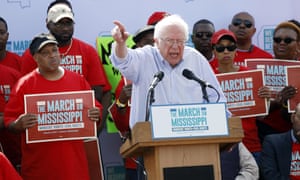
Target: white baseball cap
{"points": [[58, 12]]}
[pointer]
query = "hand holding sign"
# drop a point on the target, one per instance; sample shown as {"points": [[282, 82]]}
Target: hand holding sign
{"points": [[23, 122], [94, 114]]}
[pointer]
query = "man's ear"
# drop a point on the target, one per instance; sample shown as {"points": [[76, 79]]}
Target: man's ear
{"points": [[47, 24], [156, 41], [229, 26], [35, 57], [254, 30], [293, 117]]}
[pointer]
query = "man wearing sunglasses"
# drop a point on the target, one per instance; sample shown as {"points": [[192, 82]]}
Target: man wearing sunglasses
{"points": [[243, 27], [201, 37]]}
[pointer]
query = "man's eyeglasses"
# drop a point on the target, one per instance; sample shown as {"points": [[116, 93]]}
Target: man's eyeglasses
{"points": [[201, 34], [220, 48], [286, 40], [171, 42], [237, 22]]}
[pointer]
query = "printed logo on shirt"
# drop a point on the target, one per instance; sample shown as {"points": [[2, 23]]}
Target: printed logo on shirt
{"points": [[5, 88], [240, 63], [72, 63], [295, 164]]}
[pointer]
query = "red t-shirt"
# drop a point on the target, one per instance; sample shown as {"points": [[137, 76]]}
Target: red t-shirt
{"points": [[295, 161], [12, 60], [8, 79], [81, 58], [214, 63], [250, 139], [52, 160], [255, 52], [122, 121], [275, 120], [2, 101], [7, 171], [9, 141]]}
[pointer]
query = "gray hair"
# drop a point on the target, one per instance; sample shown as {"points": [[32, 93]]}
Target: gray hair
{"points": [[171, 20]]}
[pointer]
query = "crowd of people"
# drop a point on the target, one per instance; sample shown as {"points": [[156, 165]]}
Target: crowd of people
{"points": [[58, 62]]}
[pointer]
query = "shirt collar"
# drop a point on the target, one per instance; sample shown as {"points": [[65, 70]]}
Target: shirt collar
{"points": [[293, 137]]}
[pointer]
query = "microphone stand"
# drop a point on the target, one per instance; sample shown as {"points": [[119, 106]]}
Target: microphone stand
{"points": [[149, 101], [204, 92]]}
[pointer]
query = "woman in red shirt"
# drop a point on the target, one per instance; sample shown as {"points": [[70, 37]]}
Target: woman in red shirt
{"points": [[224, 48]]}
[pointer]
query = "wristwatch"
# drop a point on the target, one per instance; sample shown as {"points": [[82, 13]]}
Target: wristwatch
{"points": [[120, 105]]}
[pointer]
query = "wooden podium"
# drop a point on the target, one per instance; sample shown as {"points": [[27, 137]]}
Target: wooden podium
{"points": [[180, 152]]}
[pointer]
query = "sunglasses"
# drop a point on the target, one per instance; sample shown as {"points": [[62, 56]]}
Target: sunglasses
{"points": [[286, 40], [222, 48], [237, 22], [201, 34]]}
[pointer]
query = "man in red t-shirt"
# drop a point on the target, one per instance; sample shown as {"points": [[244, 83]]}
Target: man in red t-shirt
{"points": [[7, 58], [10, 141], [243, 27], [57, 160], [77, 55]]}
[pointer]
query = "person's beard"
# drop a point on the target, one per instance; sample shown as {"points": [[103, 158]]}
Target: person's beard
{"points": [[62, 40]]}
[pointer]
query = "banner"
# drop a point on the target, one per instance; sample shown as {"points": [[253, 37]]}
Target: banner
{"points": [[240, 89], [61, 116], [274, 70], [113, 75], [189, 120], [292, 74]]}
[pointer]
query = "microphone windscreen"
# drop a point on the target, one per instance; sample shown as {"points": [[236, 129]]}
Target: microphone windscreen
{"points": [[159, 75], [188, 74]]}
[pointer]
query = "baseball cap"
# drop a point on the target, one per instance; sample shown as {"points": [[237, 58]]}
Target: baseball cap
{"points": [[139, 34], [58, 12], [40, 41], [156, 16], [217, 36]]}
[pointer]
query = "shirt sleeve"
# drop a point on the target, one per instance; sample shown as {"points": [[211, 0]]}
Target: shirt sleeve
{"points": [[249, 169], [121, 119]]}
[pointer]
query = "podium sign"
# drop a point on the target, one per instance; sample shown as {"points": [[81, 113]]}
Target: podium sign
{"points": [[189, 120], [190, 153]]}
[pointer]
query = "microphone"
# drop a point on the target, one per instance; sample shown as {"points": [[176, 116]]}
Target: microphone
{"points": [[157, 78], [191, 76], [150, 95]]}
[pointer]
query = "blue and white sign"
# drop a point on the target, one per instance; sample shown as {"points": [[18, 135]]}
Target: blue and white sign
{"points": [[189, 120]]}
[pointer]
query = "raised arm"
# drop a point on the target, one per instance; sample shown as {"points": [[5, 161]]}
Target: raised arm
{"points": [[120, 36]]}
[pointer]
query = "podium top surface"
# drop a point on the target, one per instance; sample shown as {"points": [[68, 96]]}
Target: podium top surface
{"points": [[142, 138]]}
